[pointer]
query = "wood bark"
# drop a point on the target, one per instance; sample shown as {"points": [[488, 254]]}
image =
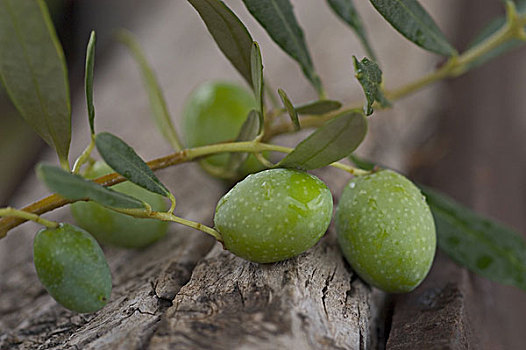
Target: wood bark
{"points": [[310, 302]]}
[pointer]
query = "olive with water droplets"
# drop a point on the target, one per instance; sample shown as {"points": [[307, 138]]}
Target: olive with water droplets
{"points": [[386, 231], [214, 112], [274, 215]]}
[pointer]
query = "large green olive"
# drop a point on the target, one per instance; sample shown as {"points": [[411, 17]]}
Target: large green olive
{"points": [[274, 215], [215, 112], [72, 267], [110, 227], [386, 231]]}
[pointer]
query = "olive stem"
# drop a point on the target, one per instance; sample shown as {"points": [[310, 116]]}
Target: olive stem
{"points": [[264, 161], [84, 156], [189, 223], [173, 202], [167, 216], [350, 169], [12, 212]]}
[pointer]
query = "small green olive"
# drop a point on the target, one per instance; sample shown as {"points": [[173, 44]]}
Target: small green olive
{"points": [[110, 227], [274, 215], [72, 267], [386, 231], [215, 112]]}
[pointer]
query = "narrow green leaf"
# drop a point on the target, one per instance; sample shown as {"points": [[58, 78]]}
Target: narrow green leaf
{"points": [[75, 187], [158, 105], [319, 107], [123, 159], [229, 33], [489, 30], [412, 21], [370, 77], [346, 10], [333, 141], [90, 63], [249, 130], [33, 71], [290, 109], [256, 64], [277, 17], [483, 246]]}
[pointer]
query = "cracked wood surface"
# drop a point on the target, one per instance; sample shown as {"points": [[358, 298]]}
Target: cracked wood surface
{"points": [[310, 302]]}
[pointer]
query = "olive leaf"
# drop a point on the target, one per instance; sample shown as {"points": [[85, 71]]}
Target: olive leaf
{"points": [[88, 83], [158, 104], [482, 245], [277, 17], [229, 33], [256, 64], [346, 10], [249, 130], [319, 107], [33, 71], [411, 20], [123, 159], [290, 109], [75, 187], [331, 142], [370, 77]]}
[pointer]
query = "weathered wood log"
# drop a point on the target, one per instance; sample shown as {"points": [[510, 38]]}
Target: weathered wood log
{"points": [[310, 302]]}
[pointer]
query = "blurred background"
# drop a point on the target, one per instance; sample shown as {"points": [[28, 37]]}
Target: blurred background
{"points": [[464, 136]]}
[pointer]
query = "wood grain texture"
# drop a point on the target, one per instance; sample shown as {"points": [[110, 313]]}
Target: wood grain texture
{"points": [[435, 316], [310, 302]]}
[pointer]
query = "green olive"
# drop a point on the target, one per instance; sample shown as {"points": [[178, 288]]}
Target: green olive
{"points": [[274, 215], [72, 267], [110, 227], [386, 231], [215, 112]]}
